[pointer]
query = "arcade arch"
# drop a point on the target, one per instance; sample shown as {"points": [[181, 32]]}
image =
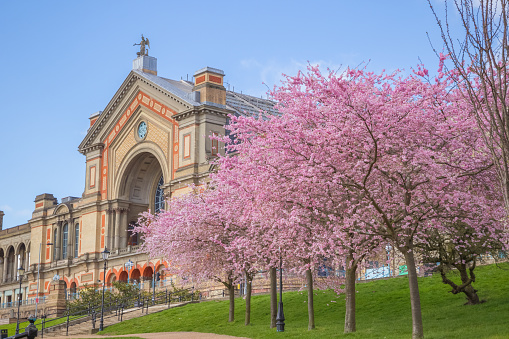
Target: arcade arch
{"points": [[148, 272], [135, 275], [123, 276], [10, 272]]}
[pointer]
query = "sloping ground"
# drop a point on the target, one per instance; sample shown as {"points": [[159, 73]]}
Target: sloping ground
{"points": [[383, 311], [110, 319]]}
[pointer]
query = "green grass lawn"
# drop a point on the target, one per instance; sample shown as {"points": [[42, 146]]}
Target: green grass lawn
{"points": [[383, 311]]}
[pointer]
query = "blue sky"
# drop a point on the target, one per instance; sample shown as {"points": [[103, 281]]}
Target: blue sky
{"points": [[64, 60]]}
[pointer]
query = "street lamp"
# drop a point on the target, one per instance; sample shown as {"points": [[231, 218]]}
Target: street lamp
{"points": [[153, 283], [105, 255], [21, 270], [280, 319], [38, 274], [129, 266]]}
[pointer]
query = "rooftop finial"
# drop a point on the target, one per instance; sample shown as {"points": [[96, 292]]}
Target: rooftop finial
{"points": [[144, 42]]}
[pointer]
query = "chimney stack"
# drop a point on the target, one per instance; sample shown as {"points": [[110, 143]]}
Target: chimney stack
{"points": [[1, 219], [44, 201], [209, 82]]}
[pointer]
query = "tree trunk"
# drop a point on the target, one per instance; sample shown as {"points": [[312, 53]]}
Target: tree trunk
{"points": [[472, 297], [351, 268], [468, 289], [231, 315], [415, 299], [273, 296], [249, 281], [466, 286], [311, 309]]}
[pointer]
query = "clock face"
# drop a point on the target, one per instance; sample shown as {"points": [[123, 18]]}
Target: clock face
{"points": [[142, 130]]}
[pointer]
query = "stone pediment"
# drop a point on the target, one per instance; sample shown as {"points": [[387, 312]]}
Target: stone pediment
{"points": [[163, 96]]}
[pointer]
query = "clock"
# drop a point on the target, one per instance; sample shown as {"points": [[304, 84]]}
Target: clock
{"points": [[142, 130]]}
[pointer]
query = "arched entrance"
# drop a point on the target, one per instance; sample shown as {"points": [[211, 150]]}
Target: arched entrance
{"points": [[139, 188], [123, 276], [147, 273], [135, 275], [72, 290], [112, 279]]}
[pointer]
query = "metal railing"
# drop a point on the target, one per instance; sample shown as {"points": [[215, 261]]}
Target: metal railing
{"points": [[117, 309], [26, 302]]}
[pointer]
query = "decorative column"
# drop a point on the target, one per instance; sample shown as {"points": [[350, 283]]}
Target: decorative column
{"points": [[6, 268], [123, 229], [117, 228], [110, 240], [70, 233], [27, 259]]}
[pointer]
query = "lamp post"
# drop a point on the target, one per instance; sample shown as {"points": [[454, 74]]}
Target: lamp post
{"points": [[105, 255], [280, 319], [38, 275], [129, 266], [21, 270], [153, 283]]}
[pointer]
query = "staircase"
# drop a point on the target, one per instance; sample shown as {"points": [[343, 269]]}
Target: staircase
{"points": [[109, 319]]}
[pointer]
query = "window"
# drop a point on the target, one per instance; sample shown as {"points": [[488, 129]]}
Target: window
{"points": [[76, 239], [215, 144], [159, 197], [54, 249], [65, 237], [133, 237]]}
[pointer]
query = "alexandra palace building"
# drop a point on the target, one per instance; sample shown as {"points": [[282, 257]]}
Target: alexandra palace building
{"points": [[148, 144]]}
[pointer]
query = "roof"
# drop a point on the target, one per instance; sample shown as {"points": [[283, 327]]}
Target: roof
{"points": [[177, 88], [248, 105], [242, 104]]}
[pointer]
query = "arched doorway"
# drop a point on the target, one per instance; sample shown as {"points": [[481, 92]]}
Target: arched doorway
{"points": [[140, 187], [123, 276], [72, 290], [147, 273], [135, 275], [112, 279]]}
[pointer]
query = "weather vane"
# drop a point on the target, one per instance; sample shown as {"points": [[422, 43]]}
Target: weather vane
{"points": [[144, 42]]}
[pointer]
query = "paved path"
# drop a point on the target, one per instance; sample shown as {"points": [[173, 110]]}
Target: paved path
{"points": [[161, 335]]}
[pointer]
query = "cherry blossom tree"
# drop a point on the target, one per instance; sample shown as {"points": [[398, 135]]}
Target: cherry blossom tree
{"points": [[197, 235], [465, 231], [280, 227], [355, 161], [386, 151]]}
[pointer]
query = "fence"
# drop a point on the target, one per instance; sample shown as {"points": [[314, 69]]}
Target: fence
{"points": [[26, 302], [116, 309]]}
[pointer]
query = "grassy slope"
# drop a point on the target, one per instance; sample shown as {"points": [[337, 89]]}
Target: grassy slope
{"points": [[383, 311]]}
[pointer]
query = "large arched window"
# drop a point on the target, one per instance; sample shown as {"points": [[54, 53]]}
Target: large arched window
{"points": [[76, 239], [159, 197], [65, 238]]}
